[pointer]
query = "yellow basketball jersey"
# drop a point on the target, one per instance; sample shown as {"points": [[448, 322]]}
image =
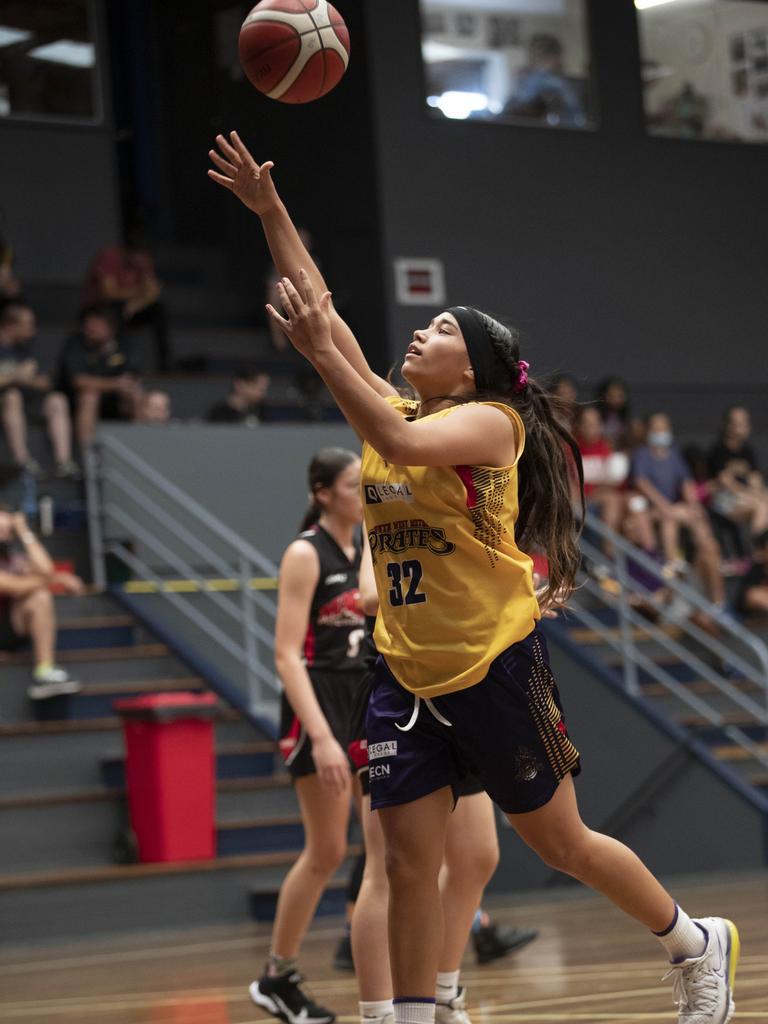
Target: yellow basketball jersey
{"points": [[454, 588]]}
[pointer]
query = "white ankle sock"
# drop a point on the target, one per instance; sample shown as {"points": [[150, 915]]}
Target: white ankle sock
{"points": [[414, 1010], [375, 1008], [447, 986], [684, 938]]}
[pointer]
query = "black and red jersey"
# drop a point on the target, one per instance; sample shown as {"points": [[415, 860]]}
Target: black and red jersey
{"points": [[335, 639]]}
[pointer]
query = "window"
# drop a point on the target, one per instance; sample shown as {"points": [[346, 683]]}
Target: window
{"points": [[48, 61], [705, 68], [519, 61]]}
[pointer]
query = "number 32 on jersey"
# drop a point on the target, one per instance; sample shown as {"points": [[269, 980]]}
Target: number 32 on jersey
{"points": [[405, 579]]}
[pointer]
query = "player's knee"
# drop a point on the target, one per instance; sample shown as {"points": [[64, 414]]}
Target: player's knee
{"points": [[567, 853], [477, 863], [326, 857], [403, 869]]}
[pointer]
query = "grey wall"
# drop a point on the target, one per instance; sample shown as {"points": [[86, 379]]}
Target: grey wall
{"points": [[615, 252], [254, 480], [60, 198]]}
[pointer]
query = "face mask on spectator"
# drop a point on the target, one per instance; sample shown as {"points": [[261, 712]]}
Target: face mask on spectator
{"points": [[660, 438]]}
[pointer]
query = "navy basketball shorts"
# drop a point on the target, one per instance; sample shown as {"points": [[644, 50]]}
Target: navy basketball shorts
{"points": [[507, 731], [358, 744]]}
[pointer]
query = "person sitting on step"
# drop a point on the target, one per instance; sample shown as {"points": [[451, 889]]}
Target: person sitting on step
{"points": [[27, 613]]}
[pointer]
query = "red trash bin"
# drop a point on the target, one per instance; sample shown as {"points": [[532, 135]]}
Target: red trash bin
{"points": [[170, 774]]}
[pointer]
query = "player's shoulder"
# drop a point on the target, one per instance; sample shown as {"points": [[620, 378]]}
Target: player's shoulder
{"points": [[302, 554]]}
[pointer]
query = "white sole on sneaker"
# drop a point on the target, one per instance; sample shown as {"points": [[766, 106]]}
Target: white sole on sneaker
{"points": [[275, 1006], [42, 691], [732, 962], [266, 1002]]}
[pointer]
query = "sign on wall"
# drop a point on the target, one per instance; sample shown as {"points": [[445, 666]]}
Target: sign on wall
{"points": [[419, 282]]}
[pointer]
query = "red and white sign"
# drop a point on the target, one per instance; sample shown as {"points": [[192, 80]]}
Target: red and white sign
{"points": [[419, 282]]}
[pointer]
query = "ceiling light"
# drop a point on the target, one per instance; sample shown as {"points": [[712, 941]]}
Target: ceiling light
{"points": [[67, 51], [9, 36]]}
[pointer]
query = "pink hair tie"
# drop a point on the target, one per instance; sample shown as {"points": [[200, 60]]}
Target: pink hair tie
{"points": [[522, 380]]}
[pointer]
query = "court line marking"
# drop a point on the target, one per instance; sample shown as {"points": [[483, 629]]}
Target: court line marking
{"points": [[149, 1000], [145, 952], [236, 991]]}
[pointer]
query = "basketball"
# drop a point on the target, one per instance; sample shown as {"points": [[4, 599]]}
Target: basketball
{"points": [[294, 51]]}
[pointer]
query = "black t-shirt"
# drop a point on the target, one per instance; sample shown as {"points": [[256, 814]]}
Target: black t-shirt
{"points": [[79, 358], [740, 461], [335, 639], [223, 412]]}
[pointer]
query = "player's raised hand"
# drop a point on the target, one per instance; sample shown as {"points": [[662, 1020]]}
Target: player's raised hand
{"points": [[238, 171], [307, 320]]}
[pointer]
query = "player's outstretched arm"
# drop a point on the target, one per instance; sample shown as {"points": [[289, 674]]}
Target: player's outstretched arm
{"points": [[474, 434], [252, 184]]}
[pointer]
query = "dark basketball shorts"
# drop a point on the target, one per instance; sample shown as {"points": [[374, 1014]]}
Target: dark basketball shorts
{"points": [[336, 693], [506, 731], [358, 745]]}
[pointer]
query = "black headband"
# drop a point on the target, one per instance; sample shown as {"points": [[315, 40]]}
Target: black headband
{"points": [[491, 373]]}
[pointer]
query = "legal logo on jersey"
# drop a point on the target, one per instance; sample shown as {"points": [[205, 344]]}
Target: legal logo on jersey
{"points": [[386, 749], [404, 534], [377, 494], [342, 610], [336, 577]]}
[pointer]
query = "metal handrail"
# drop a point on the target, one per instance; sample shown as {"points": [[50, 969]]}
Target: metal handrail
{"points": [[726, 623], [633, 659], [132, 480], [189, 504]]}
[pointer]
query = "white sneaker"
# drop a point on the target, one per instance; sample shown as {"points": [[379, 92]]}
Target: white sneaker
{"points": [[52, 683], [704, 984], [386, 1018], [454, 1011]]}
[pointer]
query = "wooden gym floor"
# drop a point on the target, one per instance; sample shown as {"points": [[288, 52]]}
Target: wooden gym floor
{"points": [[589, 965]]}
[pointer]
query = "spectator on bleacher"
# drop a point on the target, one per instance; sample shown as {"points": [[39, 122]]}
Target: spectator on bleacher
{"points": [[27, 612], [245, 401], [97, 372], [10, 287], [27, 393], [752, 595], [564, 386], [662, 476], [605, 477], [124, 275], [154, 408], [739, 491], [612, 400]]}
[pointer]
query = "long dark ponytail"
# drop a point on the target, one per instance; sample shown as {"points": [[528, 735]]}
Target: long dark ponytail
{"points": [[551, 460], [325, 467], [550, 468]]}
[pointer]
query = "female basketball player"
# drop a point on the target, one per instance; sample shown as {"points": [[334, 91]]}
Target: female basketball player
{"points": [[458, 478], [319, 658], [471, 857]]}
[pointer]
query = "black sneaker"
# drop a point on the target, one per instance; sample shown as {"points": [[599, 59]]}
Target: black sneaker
{"points": [[283, 998], [342, 958], [491, 942]]}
